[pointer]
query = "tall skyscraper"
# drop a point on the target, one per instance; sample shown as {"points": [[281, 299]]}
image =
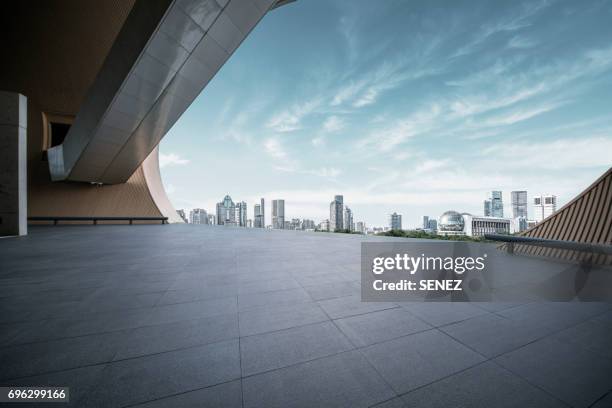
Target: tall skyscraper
{"points": [[198, 216], [263, 213], [519, 204], [241, 214], [360, 227], [494, 206], [278, 214], [336, 214], [432, 224], [425, 222], [257, 216], [226, 212], [544, 206], [348, 219], [395, 221]]}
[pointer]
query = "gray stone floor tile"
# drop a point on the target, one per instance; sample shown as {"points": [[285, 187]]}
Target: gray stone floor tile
{"points": [[281, 297], [376, 327], [591, 335], [192, 310], [272, 318], [419, 359], [80, 381], [142, 379], [556, 315], [441, 313], [604, 402], [343, 380], [227, 395], [492, 335], [37, 358], [333, 290], [485, 385], [575, 375], [392, 403], [268, 351], [172, 336], [351, 306]]}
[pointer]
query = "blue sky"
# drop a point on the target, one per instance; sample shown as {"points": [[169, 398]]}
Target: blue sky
{"points": [[409, 106]]}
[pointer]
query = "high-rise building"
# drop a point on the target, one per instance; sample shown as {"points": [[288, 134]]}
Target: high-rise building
{"points": [[360, 227], [257, 216], [395, 221], [324, 225], [198, 216], [348, 219], [544, 206], [519, 204], [278, 214], [432, 225], [494, 206], [241, 214], [295, 224], [249, 223], [263, 213], [425, 222], [487, 208], [336, 214], [212, 219], [226, 212], [308, 225]]}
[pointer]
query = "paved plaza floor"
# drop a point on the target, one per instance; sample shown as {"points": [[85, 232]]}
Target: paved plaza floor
{"points": [[197, 316]]}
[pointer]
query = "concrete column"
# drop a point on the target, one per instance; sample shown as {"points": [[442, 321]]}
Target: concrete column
{"points": [[13, 164]]}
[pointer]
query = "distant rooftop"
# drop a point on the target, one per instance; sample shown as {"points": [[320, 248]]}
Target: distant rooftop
{"points": [[189, 315]]}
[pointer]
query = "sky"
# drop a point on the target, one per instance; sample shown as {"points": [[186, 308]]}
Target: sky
{"points": [[415, 107]]}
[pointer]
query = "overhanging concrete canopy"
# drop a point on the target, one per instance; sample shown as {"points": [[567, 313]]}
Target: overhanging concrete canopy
{"points": [[165, 54]]}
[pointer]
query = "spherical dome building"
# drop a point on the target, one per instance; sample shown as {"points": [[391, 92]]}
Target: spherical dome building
{"points": [[451, 223]]}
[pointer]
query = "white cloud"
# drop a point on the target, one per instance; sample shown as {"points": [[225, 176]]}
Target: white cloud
{"points": [[521, 42], [418, 122], [171, 159], [563, 154], [290, 119], [515, 116], [274, 148], [327, 172], [333, 124]]}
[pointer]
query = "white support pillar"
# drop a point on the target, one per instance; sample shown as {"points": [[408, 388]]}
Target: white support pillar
{"points": [[13, 164]]}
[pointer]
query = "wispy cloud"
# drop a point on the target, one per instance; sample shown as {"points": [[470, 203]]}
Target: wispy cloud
{"points": [[274, 149], [517, 115], [171, 159], [565, 154], [509, 22], [333, 124], [519, 41], [289, 120], [388, 138]]}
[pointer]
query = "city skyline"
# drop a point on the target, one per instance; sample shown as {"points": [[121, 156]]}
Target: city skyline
{"points": [[518, 206], [402, 117]]}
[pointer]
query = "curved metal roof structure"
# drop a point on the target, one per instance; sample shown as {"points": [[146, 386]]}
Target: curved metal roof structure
{"points": [[165, 54]]}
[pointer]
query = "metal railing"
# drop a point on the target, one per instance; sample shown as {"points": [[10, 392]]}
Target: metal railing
{"points": [[164, 220], [550, 243]]}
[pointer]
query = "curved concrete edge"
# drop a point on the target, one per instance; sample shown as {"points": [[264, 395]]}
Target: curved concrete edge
{"points": [[154, 182]]}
